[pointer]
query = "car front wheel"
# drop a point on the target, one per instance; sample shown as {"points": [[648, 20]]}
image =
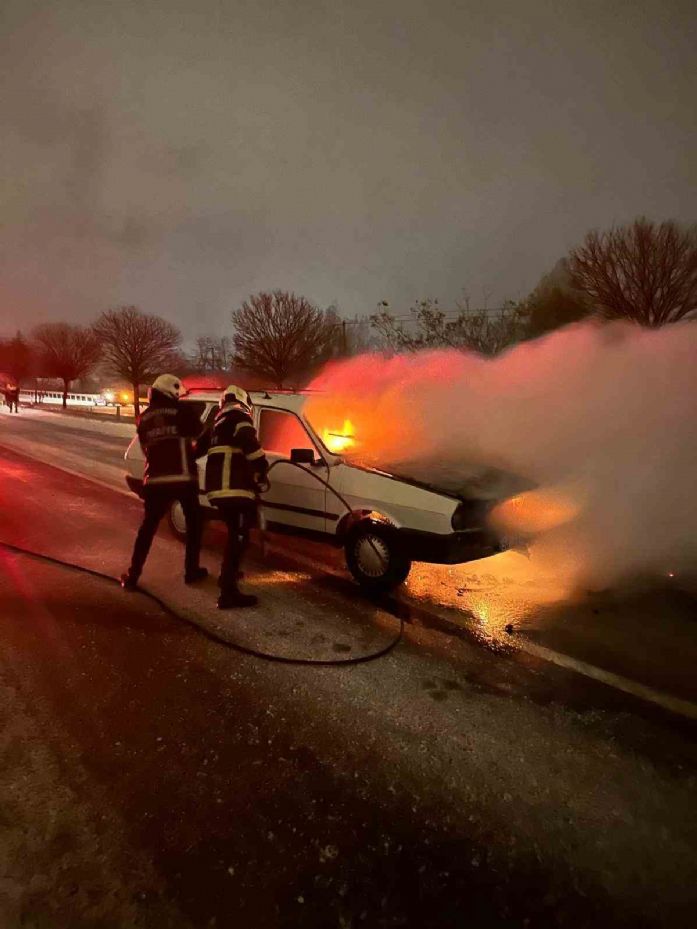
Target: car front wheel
{"points": [[374, 558]]}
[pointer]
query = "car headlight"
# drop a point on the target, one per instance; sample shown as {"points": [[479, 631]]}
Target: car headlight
{"points": [[470, 514]]}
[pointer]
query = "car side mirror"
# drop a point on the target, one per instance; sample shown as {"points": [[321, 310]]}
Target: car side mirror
{"points": [[302, 456]]}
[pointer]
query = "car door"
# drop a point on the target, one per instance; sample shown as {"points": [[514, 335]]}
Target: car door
{"points": [[298, 492]]}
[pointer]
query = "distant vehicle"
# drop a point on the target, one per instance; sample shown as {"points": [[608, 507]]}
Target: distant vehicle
{"points": [[383, 521], [114, 397]]}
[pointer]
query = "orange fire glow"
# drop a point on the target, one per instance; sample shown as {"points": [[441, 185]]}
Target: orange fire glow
{"points": [[536, 511], [340, 441]]}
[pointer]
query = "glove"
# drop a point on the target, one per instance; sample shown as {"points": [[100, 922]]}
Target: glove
{"points": [[263, 486]]}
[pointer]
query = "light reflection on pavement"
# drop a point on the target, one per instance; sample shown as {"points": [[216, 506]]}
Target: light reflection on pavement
{"points": [[488, 595]]}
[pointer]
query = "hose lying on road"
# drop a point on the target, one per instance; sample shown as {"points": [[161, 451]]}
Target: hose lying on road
{"points": [[208, 633]]}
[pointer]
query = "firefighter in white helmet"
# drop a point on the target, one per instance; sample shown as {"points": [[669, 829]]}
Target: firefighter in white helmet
{"points": [[236, 471], [168, 431]]}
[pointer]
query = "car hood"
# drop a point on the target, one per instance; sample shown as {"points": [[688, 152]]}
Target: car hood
{"points": [[466, 482]]}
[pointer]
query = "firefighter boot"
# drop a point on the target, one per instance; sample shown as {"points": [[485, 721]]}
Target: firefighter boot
{"points": [[235, 599]]}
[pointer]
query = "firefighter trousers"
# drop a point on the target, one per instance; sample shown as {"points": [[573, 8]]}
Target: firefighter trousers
{"points": [[239, 517], [158, 498]]}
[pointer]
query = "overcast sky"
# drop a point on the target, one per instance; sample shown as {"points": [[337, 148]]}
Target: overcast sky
{"points": [[183, 154]]}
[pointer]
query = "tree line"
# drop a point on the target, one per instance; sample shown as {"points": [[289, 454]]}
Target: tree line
{"points": [[278, 337], [644, 272], [127, 343]]}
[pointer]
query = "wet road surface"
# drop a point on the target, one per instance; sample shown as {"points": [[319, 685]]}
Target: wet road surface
{"points": [[646, 636], [445, 785]]}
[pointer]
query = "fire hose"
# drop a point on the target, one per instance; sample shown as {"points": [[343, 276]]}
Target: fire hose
{"points": [[208, 633]]}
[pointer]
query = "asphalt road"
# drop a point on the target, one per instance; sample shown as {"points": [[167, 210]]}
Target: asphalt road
{"points": [[641, 639], [152, 776]]}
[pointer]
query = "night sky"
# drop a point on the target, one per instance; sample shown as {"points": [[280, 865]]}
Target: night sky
{"points": [[180, 155]]}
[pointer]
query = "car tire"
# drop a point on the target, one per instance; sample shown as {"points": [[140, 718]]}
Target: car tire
{"points": [[176, 521], [374, 558]]}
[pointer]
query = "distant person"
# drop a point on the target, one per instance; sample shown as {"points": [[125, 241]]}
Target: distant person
{"points": [[168, 431], [12, 397], [236, 471]]}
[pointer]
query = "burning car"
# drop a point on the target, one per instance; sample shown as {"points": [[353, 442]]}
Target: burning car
{"points": [[384, 521]]}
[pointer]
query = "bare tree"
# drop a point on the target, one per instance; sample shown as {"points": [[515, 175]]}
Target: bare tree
{"points": [[65, 352], [281, 336], [643, 272], [136, 346], [485, 331], [213, 353]]}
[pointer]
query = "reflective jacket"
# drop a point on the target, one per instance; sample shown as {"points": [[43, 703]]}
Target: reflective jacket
{"points": [[236, 463], [167, 431]]}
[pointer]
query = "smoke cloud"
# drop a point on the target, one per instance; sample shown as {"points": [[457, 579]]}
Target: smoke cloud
{"points": [[602, 418]]}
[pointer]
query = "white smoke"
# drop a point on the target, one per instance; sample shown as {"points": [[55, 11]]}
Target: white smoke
{"points": [[603, 418]]}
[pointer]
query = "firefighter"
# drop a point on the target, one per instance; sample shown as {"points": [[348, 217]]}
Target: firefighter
{"points": [[168, 431], [235, 475], [12, 397]]}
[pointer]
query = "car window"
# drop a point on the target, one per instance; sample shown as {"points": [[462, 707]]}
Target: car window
{"points": [[279, 432]]}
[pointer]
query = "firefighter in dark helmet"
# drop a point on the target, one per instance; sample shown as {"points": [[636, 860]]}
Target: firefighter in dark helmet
{"points": [[235, 475], [168, 431]]}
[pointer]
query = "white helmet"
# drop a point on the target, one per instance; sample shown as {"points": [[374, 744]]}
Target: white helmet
{"points": [[235, 394], [168, 384]]}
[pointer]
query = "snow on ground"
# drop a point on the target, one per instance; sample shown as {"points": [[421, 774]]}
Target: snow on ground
{"points": [[80, 446], [71, 421]]}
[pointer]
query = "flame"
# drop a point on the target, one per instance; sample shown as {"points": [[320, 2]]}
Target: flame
{"points": [[371, 391], [339, 441], [481, 610]]}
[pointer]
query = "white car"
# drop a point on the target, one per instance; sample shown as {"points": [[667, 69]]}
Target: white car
{"points": [[382, 520]]}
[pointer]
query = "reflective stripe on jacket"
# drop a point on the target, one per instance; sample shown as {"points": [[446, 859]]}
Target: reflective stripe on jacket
{"points": [[167, 430], [236, 462]]}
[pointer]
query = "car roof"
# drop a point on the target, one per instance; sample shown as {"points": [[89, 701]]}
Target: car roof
{"points": [[285, 400]]}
